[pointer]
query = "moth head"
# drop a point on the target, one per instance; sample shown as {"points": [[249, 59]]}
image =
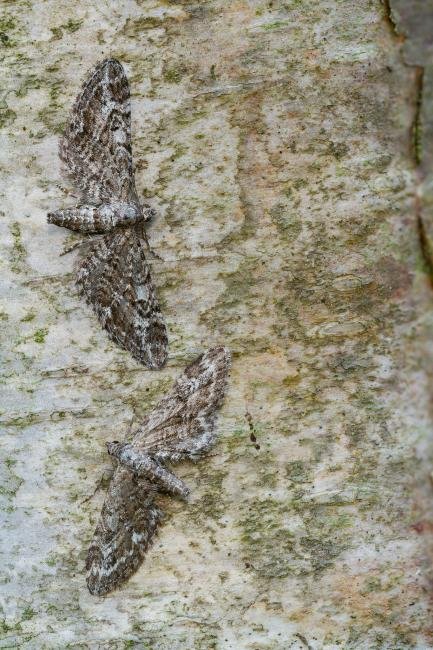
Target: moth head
{"points": [[114, 447]]}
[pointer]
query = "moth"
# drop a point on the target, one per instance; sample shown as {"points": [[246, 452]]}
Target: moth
{"points": [[115, 276], [180, 427]]}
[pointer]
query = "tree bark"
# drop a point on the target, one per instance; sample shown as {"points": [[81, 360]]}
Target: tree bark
{"points": [[276, 141]]}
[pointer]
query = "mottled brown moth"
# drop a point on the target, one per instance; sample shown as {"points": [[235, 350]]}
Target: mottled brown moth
{"points": [[180, 427], [115, 276]]}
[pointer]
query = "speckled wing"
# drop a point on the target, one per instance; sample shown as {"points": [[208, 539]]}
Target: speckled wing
{"points": [[115, 280], [182, 425], [128, 522], [96, 146]]}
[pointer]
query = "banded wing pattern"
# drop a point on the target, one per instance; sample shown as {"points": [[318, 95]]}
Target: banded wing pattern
{"points": [[115, 280], [181, 426], [96, 145], [115, 277], [127, 525]]}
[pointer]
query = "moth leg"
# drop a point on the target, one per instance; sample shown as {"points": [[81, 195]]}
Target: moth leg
{"points": [[145, 466], [102, 218]]}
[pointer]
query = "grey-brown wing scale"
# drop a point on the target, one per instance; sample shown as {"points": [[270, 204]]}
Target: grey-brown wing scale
{"points": [[126, 527], [96, 145], [116, 281], [181, 426]]}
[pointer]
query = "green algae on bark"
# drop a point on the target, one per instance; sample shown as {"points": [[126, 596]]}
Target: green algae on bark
{"points": [[274, 141]]}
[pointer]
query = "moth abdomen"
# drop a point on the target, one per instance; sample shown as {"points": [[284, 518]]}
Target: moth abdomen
{"points": [[143, 465], [96, 219]]}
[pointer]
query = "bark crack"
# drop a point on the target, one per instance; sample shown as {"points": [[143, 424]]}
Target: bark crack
{"points": [[389, 16], [417, 123], [400, 23]]}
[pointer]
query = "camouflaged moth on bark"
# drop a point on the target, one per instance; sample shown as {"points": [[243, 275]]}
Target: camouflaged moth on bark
{"points": [[180, 427], [115, 276]]}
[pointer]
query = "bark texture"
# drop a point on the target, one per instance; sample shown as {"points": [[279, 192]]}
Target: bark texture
{"points": [[275, 141]]}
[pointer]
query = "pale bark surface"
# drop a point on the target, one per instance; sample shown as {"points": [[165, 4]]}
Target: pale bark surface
{"points": [[275, 141]]}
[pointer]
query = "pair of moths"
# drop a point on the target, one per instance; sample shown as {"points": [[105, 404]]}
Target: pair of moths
{"points": [[115, 280]]}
